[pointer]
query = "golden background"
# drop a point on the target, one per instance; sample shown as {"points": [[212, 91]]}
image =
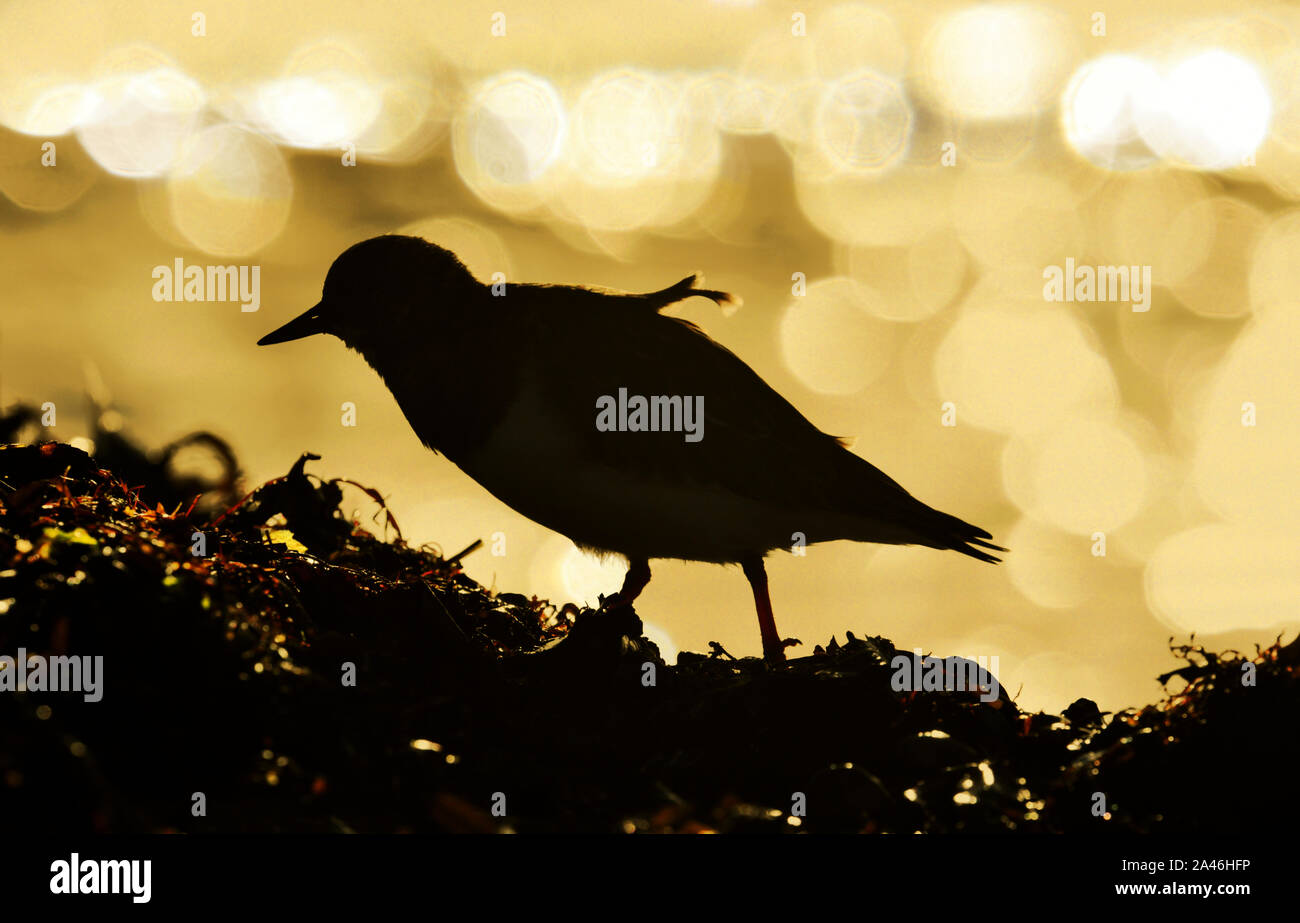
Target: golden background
{"points": [[883, 183]]}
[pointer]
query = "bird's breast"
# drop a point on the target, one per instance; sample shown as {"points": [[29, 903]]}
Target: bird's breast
{"points": [[450, 402]]}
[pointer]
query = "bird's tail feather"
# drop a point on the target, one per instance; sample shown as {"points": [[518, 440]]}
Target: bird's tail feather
{"points": [[971, 551], [958, 535], [889, 510]]}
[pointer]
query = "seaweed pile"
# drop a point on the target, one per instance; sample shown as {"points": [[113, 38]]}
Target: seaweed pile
{"points": [[278, 667]]}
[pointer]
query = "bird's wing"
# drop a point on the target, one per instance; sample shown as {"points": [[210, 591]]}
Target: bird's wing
{"points": [[754, 442]]}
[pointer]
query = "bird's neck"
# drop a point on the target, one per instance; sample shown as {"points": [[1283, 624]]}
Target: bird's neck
{"points": [[453, 384]]}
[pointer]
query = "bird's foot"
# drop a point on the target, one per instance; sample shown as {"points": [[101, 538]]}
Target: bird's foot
{"points": [[614, 601], [774, 653], [716, 650]]}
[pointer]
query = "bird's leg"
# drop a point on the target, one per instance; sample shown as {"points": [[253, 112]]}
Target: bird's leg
{"points": [[773, 647], [638, 575]]}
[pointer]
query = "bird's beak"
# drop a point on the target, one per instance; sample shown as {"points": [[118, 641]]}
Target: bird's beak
{"points": [[306, 324]]}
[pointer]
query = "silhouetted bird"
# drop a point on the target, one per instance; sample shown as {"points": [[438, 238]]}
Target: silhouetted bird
{"points": [[511, 387]]}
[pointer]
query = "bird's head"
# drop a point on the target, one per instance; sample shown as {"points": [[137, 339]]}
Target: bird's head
{"points": [[384, 290]]}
